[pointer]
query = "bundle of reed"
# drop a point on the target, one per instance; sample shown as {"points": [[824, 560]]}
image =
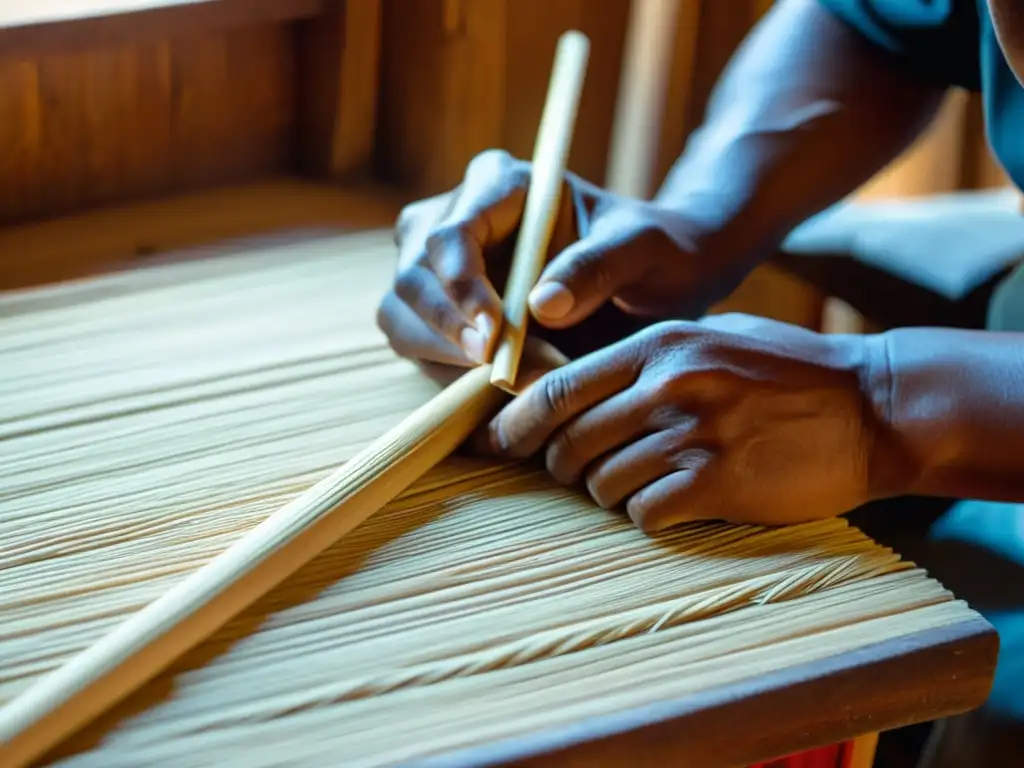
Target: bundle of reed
{"points": [[151, 420]]}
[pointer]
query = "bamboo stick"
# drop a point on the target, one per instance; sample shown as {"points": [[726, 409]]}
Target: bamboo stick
{"points": [[150, 640], [542, 201]]}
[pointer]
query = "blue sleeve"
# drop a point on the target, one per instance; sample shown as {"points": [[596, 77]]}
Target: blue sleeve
{"points": [[938, 39]]}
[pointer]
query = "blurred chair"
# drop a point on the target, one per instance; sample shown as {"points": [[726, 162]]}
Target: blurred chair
{"points": [[921, 261]]}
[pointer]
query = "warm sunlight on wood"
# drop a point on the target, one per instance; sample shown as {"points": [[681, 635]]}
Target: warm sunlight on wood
{"points": [[14, 13]]}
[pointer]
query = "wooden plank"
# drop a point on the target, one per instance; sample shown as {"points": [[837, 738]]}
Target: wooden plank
{"points": [[110, 125], [339, 85], [531, 33], [459, 78], [355, 129], [443, 69], [85, 244], [678, 115], [646, 69], [28, 39], [930, 675]]}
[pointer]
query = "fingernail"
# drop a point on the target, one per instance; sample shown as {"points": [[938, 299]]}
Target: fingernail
{"points": [[485, 326], [552, 300], [473, 344]]}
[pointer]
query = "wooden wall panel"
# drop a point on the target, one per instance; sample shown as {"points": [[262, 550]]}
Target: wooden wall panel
{"points": [[681, 108], [94, 127], [461, 77], [442, 89], [531, 36], [707, 37], [338, 79]]}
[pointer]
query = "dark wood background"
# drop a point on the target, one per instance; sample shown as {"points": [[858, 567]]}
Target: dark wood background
{"points": [[129, 108], [173, 100]]}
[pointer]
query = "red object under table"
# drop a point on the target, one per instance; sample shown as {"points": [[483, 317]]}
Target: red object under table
{"points": [[834, 756]]}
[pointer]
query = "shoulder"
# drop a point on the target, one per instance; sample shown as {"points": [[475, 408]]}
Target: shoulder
{"points": [[938, 38]]}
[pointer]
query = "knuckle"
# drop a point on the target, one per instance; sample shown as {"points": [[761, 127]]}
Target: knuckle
{"points": [[411, 287], [444, 245], [556, 393], [497, 163], [438, 239], [560, 458], [416, 213], [499, 172], [667, 333], [489, 160], [663, 390], [437, 315], [663, 416], [408, 286], [591, 270], [600, 272]]}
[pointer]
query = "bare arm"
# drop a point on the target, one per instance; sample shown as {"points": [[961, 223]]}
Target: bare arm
{"points": [[806, 112], [953, 403]]}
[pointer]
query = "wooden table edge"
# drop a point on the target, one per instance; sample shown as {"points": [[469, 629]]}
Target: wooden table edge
{"points": [[928, 675]]}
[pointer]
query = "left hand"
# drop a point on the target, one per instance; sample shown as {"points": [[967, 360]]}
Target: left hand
{"points": [[734, 417]]}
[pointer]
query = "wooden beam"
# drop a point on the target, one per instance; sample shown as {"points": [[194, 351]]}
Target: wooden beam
{"points": [[647, 68], [679, 102], [31, 36], [123, 236], [339, 81]]}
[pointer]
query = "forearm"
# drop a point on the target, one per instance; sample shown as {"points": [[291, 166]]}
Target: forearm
{"points": [[950, 404], [806, 112]]}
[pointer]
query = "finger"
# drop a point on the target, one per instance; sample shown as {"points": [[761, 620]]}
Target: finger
{"points": [[539, 359], [456, 260], [621, 474], [587, 274], [605, 427], [412, 338], [526, 423], [485, 212], [677, 497], [420, 289]]}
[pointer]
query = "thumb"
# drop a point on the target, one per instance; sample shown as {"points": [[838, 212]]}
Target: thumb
{"points": [[587, 274]]}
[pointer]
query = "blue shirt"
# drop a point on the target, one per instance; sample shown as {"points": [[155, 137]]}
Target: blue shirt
{"points": [[953, 43]]}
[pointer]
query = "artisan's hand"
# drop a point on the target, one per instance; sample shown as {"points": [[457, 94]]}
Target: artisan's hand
{"points": [[455, 249], [735, 418]]}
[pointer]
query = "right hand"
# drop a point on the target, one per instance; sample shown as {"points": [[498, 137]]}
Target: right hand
{"points": [[615, 265]]}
